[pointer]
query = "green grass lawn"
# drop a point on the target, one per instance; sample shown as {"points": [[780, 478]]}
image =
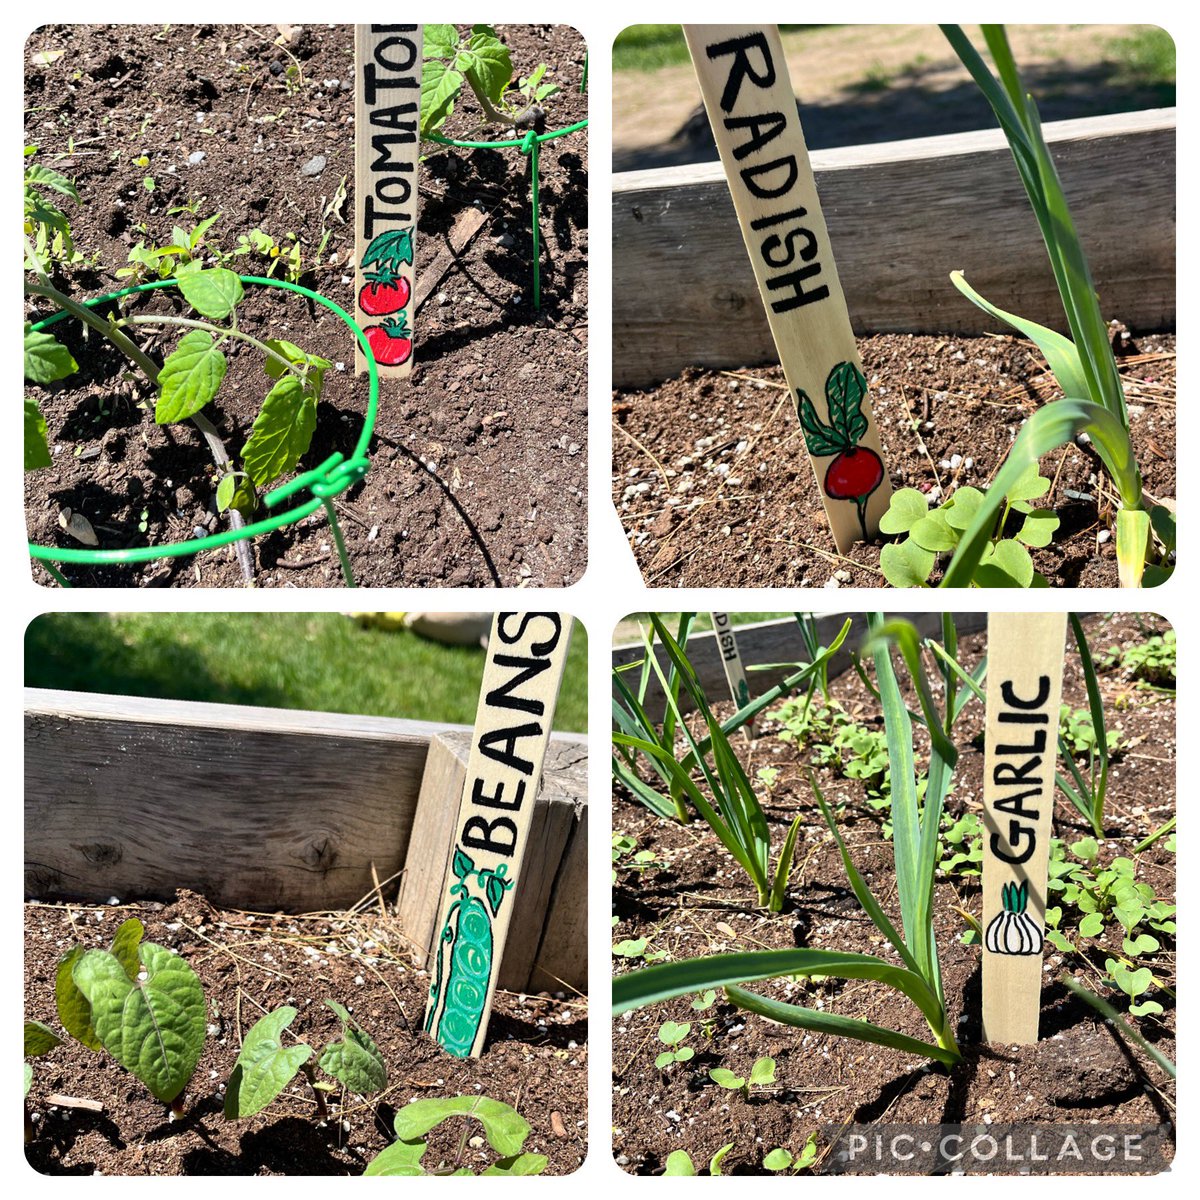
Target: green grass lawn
{"points": [[321, 661], [627, 632], [648, 47]]}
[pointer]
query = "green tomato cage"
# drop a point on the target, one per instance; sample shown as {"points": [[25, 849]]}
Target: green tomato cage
{"points": [[322, 483]]}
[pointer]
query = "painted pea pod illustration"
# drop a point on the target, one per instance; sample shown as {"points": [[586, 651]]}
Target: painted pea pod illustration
{"points": [[1013, 930], [855, 471]]}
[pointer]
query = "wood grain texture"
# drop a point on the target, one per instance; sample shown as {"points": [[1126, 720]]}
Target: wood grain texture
{"points": [[778, 641], [1024, 691], [902, 215], [387, 152], [742, 71], [551, 899], [257, 808], [526, 657], [735, 669]]}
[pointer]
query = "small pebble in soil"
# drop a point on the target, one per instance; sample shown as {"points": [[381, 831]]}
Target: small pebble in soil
{"points": [[196, 157], [1103, 536], [314, 166]]}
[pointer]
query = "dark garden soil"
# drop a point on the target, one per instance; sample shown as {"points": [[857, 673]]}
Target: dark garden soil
{"points": [[535, 1059], [692, 899], [479, 463], [713, 485]]}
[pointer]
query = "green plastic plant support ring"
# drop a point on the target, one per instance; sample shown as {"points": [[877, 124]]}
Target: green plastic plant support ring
{"points": [[331, 478]]}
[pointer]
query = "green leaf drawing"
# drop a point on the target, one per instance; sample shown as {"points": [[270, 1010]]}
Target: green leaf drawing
{"points": [[265, 1066], [189, 378], [389, 249]]}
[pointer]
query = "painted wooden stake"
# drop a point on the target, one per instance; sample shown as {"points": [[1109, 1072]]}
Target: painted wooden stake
{"points": [[387, 145], [526, 656], [1024, 691], [752, 109], [735, 670]]}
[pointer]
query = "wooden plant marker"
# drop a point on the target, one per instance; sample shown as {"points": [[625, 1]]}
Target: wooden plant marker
{"points": [[735, 670], [526, 656], [752, 110], [387, 146], [1024, 691]]}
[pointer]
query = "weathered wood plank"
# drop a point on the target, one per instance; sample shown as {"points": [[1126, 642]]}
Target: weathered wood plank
{"points": [[562, 958], [543, 901], [779, 641], [257, 808], [902, 215]]}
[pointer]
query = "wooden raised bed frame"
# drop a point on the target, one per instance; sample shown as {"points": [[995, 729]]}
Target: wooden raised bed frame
{"points": [[274, 810], [902, 215]]}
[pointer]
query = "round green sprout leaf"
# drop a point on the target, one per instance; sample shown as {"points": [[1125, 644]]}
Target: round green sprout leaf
{"points": [[1086, 848], [934, 532], [1092, 925], [265, 1066], [778, 1159], [685, 1054], [154, 1026], [1006, 564], [1039, 527], [679, 1162], [714, 1165], [671, 1034], [398, 1159], [665, 1059], [906, 508], [725, 1078], [504, 1127], [1144, 943], [961, 507], [212, 293], [763, 1072], [520, 1164], [1148, 1008], [355, 1062], [905, 564], [630, 948]]}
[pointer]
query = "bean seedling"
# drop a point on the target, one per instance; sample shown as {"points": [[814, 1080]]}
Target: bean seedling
{"points": [[762, 1074], [672, 1035]]}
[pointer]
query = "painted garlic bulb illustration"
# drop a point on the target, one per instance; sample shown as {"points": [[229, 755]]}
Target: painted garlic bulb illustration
{"points": [[1013, 930]]}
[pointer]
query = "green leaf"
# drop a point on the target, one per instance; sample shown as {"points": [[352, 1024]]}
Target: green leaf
{"points": [[398, 1159], [714, 1164], [905, 564], [777, 1160], [1029, 485], [74, 1011], [154, 1027], [37, 450], [440, 41], [631, 948], [492, 66], [1144, 943], [317, 366], [125, 945], [1148, 1008], [1039, 527], [521, 1164], [960, 509], [355, 1061], [665, 1059], [265, 1066], [1005, 564], [679, 1162], [236, 491], [39, 1039], [189, 378], [934, 533], [1132, 983], [763, 1072], [440, 86], [46, 360], [671, 1033], [685, 1055], [1087, 849], [726, 1078], [213, 293], [282, 431], [1092, 925], [504, 1128], [1060, 352], [41, 176], [28, 1078], [906, 508]]}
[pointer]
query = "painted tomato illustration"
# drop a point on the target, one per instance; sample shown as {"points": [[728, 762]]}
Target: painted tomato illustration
{"points": [[383, 296], [391, 342], [855, 471]]}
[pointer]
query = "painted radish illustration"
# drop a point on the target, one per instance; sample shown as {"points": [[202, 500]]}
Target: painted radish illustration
{"points": [[1013, 930], [464, 958], [856, 471]]}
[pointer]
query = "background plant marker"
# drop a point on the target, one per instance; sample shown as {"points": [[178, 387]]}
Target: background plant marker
{"points": [[735, 669], [752, 110], [526, 656], [387, 147], [1024, 693]]}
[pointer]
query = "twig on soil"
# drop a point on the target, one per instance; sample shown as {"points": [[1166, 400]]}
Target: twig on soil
{"points": [[299, 564], [648, 453], [226, 950]]}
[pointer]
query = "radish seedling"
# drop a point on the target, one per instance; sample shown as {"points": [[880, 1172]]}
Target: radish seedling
{"points": [[672, 1035], [265, 1066], [762, 1074]]}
